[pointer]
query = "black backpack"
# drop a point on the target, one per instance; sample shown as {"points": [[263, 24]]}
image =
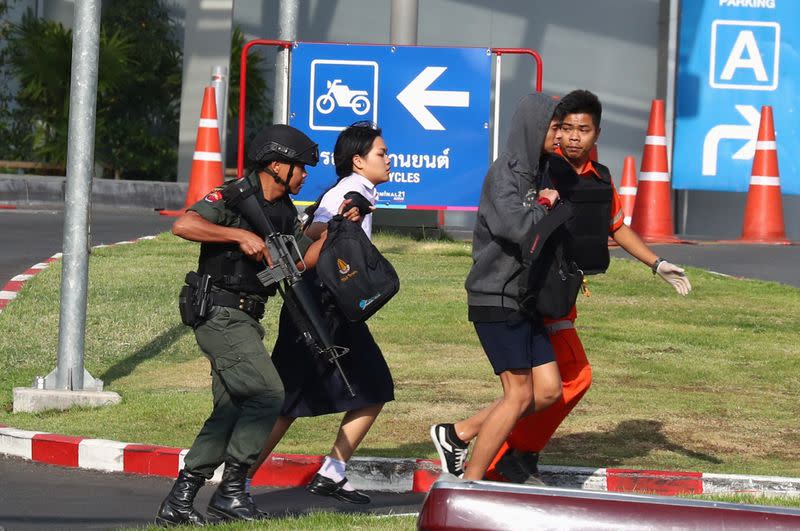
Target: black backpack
{"points": [[355, 273], [549, 282]]}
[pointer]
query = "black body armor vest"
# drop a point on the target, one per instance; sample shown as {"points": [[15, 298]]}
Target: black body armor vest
{"points": [[230, 268], [586, 233]]}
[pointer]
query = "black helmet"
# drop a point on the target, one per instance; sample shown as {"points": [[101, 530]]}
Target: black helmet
{"points": [[282, 142]]}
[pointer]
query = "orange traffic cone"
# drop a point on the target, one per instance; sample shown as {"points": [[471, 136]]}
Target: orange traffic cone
{"points": [[763, 213], [207, 161], [652, 213], [627, 191]]}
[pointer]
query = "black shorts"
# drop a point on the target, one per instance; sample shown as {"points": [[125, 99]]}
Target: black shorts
{"points": [[515, 344]]}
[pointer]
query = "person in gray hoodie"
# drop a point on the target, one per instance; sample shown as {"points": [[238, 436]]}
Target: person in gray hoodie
{"points": [[517, 346]]}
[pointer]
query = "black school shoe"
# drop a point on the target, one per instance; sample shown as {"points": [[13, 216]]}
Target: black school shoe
{"points": [[327, 487]]}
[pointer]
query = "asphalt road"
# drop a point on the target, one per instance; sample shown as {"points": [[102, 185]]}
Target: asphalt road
{"points": [[34, 496], [778, 263], [29, 235]]}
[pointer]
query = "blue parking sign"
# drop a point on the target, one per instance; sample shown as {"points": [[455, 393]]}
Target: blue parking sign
{"points": [[431, 103], [735, 56]]}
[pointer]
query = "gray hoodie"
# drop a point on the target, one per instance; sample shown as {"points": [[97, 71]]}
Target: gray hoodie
{"points": [[504, 215]]}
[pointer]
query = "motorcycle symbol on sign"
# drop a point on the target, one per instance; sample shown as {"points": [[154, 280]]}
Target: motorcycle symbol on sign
{"points": [[341, 95]]}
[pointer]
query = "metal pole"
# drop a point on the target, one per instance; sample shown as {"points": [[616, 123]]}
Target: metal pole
{"points": [[496, 126], [80, 163], [219, 80], [669, 104], [404, 21], [672, 54], [287, 31]]}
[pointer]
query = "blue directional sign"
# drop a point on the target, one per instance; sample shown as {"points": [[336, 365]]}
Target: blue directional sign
{"points": [[734, 57], [431, 103]]}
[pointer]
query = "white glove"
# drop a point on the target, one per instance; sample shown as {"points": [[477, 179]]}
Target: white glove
{"points": [[674, 275]]}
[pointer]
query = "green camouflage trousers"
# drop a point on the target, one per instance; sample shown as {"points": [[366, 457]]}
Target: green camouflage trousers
{"points": [[248, 393]]}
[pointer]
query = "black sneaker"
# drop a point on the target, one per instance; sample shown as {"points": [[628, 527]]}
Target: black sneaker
{"points": [[530, 460], [452, 450], [520, 467]]}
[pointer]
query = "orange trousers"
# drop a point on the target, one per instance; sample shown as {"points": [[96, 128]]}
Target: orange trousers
{"points": [[532, 433]]}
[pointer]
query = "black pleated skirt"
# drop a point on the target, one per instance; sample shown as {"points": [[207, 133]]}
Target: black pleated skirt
{"points": [[314, 387]]}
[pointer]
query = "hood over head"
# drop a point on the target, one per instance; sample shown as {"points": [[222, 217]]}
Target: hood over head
{"points": [[529, 129]]}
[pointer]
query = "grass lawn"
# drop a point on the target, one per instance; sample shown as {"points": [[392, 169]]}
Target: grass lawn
{"points": [[708, 382], [323, 521]]}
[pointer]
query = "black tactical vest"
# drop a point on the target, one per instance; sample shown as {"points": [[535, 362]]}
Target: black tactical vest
{"points": [[586, 233], [229, 268]]}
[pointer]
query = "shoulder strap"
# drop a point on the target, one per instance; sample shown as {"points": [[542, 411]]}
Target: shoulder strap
{"points": [[543, 173], [542, 230], [604, 172]]}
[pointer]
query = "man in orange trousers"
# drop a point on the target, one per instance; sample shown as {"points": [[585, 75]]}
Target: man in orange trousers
{"points": [[517, 459]]}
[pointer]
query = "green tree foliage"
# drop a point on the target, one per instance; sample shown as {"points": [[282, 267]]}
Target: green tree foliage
{"points": [[138, 90], [11, 129], [138, 94]]}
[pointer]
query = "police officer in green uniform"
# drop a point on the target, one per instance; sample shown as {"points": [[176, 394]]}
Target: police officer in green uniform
{"points": [[248, 393]]}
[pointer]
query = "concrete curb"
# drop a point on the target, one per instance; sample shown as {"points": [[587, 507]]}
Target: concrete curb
{"points": [[367, 473], [46, 189], [400, 475]]}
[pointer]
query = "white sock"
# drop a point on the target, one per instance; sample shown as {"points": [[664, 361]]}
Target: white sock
{"points": [[333, 469]]}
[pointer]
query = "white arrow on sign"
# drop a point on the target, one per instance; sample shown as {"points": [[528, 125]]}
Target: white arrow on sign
{"points": [[416, 98], [747, 132]]}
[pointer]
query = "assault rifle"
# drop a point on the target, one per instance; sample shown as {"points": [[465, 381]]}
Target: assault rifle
{"points": [[286, 276]]}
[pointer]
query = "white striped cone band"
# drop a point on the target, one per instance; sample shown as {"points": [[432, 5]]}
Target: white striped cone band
{"points": [[207, 156], [208, 122], [655, 141], [766, 145], [765, 181], [656, 176], [627, 190]]}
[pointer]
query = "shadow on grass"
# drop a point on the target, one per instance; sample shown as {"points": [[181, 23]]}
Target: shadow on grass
{"points": [[127, 365], [631, 438]]}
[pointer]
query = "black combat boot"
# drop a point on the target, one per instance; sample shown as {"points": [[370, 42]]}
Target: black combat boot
{"points": [[231, 501], [177, 508]]}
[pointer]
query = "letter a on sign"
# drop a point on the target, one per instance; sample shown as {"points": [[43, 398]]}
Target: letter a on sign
{"points": [[745, 42], [744, 55]]}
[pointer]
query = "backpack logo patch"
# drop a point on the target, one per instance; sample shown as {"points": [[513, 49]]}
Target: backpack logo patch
{"points": [[363, 303], [343, 266]]}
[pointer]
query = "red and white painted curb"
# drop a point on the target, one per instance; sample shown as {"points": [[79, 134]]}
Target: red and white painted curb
{"points": [[368, 473], [14, 286]]}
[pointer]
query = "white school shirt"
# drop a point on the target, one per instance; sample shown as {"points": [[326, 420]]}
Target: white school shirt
{"points": [[333, 198]]}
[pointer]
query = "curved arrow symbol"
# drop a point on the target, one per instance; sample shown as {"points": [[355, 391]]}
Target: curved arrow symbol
{"points": [[416, 98], [747, 132]]}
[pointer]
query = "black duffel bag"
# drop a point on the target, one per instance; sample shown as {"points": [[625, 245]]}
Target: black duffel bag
{"points": [[355, 273]]}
